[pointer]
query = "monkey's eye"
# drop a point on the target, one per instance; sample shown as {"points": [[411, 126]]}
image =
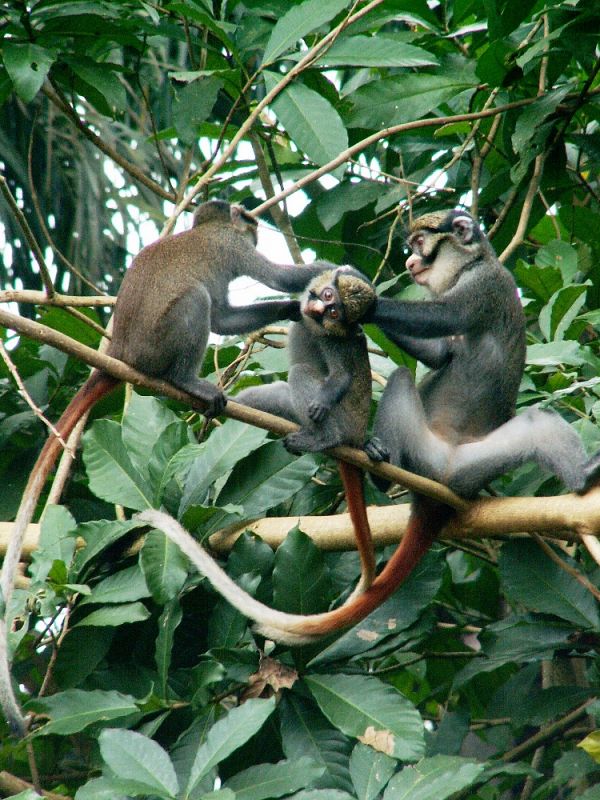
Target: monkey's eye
{"points": [[327, 295], [417, 243], [333, 312]]}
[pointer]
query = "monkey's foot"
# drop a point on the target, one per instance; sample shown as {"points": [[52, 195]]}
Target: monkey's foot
{"points": [[376, 450], [300, 442], [213, 400]]}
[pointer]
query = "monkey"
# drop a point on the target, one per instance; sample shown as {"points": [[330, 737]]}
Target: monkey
{"points": [[328, 394], [172, 296], [328, 391], [459, 426]]}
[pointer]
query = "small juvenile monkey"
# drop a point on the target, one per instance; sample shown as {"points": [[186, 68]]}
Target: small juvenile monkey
{"points": [[172, 296], [328, 391], [459, 425], [328, 394]]}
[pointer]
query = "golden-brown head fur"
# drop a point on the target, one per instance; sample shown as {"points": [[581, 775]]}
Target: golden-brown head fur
{"points": [[355, 294]]}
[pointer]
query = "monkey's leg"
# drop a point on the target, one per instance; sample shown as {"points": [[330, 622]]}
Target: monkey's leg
{"points": [[274, 398], [184, 334], [401, 428], [537, 435]]}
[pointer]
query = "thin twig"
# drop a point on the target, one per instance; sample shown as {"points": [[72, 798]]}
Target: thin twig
{"points": [[29, 237], [585, 582]]}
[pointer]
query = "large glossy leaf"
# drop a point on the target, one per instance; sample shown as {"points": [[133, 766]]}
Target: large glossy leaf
{"points": [[403, 98], [123, 586], [370, 771], [373, 711], [376, 51], [98, 536], [133, 757], [274, 780], [114, 616], [74, 710], [226, 735], [306, 732], [220, 453], [145, 420], [297, 22], [27, 64], [165, 567], [310, 120], [530, 577], [111, 473], [301, 582], [433, 779], [167, 625], [561, 310]]}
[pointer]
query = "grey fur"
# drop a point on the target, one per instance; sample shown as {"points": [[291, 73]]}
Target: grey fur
{"points": [[459, 425]]}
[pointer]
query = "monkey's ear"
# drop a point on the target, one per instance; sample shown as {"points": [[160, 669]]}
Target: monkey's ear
{"points": [[463, 226], [236, 214]]}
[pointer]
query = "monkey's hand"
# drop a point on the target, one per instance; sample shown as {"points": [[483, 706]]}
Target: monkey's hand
{"points": [[291, 310], [376, 450], [318, 410]]}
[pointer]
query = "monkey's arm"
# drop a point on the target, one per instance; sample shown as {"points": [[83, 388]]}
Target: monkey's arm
{"points": [[290, 278], [227, 320], [434, 353], [427, 319]]}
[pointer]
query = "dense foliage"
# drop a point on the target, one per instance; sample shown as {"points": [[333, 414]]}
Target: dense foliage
{"points": [[479, 678]]}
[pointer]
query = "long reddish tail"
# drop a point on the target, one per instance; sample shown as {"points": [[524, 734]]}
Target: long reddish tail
{"points": [[352, 478], [426, 521], [96, 386]]}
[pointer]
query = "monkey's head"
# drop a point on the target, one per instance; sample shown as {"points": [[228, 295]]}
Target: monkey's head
{"points": [[220, 212], [442, 243], [336, 300]]}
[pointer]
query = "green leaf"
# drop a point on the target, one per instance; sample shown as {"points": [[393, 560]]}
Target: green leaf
{"points": [[555, 353], [219, 454], [167, 625], [164, 457], [73, 710], [111, 474], [145, 420], [134, 757], [57, 542], [433, 779], [300, 578], [227, 735], [376, 51], [370, 771], [561, 256], [306, 732], [345, 197], [402, 98], [561, 310], [98, 536], [102, 79], [310, 120], [274, 780], [113, 616], [104, 788], [193, 104], [27, 66], [124, 586], [591, 745], [372, 711], [297, 22], [165, 566], [530, 577]]}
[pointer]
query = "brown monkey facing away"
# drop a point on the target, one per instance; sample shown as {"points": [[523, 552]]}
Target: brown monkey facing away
{"points": [[459, 425], [172, 296]]}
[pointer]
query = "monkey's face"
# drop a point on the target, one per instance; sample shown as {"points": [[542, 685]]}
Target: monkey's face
{"points": [[441, 243], [337, 299]]}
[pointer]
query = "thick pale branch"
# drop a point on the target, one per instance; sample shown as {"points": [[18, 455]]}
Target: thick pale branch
{"points": [[41, 298]]}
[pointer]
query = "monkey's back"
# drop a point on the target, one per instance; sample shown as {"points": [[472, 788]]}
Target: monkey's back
{"points": [[176, 278]]}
